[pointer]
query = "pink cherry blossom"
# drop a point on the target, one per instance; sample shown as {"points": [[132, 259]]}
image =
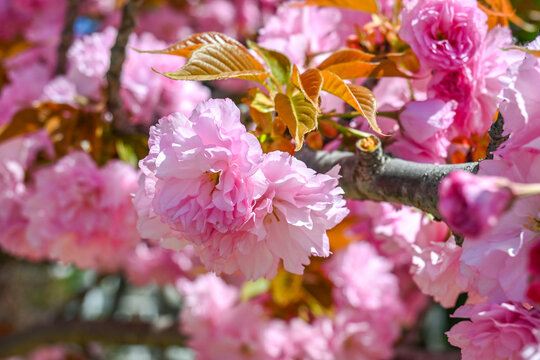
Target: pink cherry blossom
{"points": [[436, 271], [291, 30], [496, 263], [496, 332], [16, 156], [154, 264], [444, 34], [83, 214], [362, 279], [475, 85], [520, 107], [145, 95], [424, 126], [218, 324], [207, 182], [472, 205]]}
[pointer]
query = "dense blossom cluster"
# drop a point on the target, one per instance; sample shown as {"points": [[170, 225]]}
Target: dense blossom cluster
{"points": [[207, 181], [211, 208]]}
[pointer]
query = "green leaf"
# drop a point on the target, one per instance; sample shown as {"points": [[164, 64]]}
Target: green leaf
{"points": [[298, 113], [279, 64]]}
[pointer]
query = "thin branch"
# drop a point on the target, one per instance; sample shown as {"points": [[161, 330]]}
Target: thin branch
{"points": [[118, 55], [105, 332], [372, 175], [67, 36], [496, 137]]}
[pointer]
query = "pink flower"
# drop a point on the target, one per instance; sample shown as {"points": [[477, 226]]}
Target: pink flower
{"points": [[472, 205], [496, 262], [145, 95], [300, 32], [496, 332], [435, 270], [16, 156], [17, 95], [207, 182], [84, 214], [303, 206], [363, 280], [153, 264], [444, 34], [218, 325], [520, 107], [475, 86], [424, 126]]}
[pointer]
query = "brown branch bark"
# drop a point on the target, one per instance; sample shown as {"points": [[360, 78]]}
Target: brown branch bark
{"points": [[371, 174], [67, 36], [118, 56], [496, 137], [79, 332]]}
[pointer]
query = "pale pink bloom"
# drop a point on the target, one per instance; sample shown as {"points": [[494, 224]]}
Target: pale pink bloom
{"points": [[165, 23], [520, 107], [219, 326], [16, 156], [362, 279], [61, 91], [496, 263], [424, 135], [82, 213], [145, 94], [300, 206], [17, 95], [53, 352], [444, 34], [207, 180], [496, 332], [472, 205], [435, 269], [88, 62], [392, 229], [475, 86], [302, 32], [201, 176], [154, 264]]}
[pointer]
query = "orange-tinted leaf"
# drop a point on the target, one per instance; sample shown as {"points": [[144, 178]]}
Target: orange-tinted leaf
{"points": [[298, 113], [369, 6], [359, 97], [186, 47], [309, 83], [354, 64], [345, 56], [218, 62], [500, 12]]}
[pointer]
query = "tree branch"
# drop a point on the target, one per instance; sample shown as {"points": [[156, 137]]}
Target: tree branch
{"points": [[105, 332], [496, 137], [67, 36], [118, 55], [372, 175]]}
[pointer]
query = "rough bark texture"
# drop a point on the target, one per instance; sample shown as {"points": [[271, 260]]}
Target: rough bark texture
{"points": [[114, 75], [496, 137], [67, 36], [79, 332], [373, 175]]}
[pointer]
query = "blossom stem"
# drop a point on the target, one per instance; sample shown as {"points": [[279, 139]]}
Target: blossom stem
{"points": [[523, 190]]}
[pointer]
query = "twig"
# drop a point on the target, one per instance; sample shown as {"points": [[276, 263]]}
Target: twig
{"points": [[105, 332], [67, 36], [371, 174], [118, 55], [496, 137]]}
